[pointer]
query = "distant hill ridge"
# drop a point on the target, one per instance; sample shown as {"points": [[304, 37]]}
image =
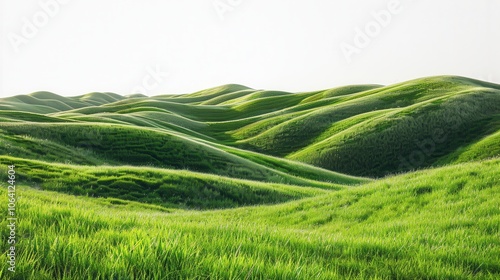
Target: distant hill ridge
{"points": [[363, 130]]}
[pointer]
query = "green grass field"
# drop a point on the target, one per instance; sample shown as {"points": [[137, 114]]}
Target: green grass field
{"points": [[357, 182]]}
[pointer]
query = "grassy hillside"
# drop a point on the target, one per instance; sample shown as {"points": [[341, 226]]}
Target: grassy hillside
{"points": [[355, 182], [168, 188], [120, 144], [409, 114], [484, 148], [411, 137], [434, 224], [336, 129]]}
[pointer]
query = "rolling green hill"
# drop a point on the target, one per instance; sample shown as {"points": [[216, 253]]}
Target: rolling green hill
{"points": [[164, 187], [365, 130], [354, 182], [433, 224], [126, 145]]}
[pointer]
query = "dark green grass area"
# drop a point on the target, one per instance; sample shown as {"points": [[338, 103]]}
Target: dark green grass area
{"points": [[487, 147], [24, 146], [298, 169], [169, 188], [132, 145], [302, 132], [409, 138], [434, 224]]}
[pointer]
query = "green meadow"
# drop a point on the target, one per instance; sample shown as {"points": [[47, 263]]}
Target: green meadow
{"points": [[357, 182]]}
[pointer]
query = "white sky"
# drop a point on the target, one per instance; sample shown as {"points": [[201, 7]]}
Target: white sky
{"points": [[80, 46]]}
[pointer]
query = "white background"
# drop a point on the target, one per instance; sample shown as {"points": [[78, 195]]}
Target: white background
{"points": [[292, 45]]}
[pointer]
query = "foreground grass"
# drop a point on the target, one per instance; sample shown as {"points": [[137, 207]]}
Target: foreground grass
{"points": [[433, 224]]}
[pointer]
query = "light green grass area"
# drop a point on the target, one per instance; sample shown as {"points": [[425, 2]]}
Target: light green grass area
{"points": [[433, 224]]}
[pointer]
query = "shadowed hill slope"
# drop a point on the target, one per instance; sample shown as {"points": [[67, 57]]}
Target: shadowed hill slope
{"points": [[117, 144], [366, 130], [164, 187]]}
